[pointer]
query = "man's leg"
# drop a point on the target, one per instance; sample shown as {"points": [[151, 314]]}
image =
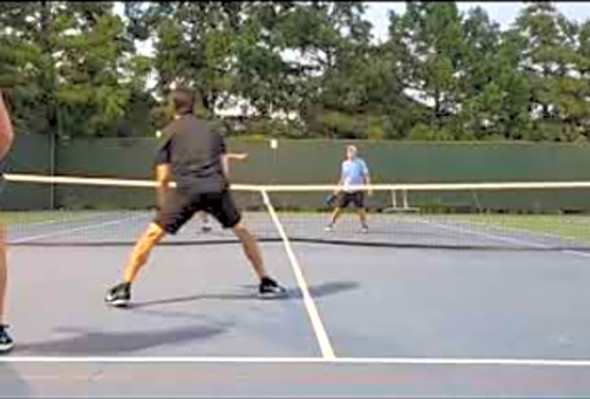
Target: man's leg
{"points": [[120, 295], [362, 217], [359, 202], [340, 206], [268, 287], [6, 343], [335, 216], [251, 249], [142, 250], [222, 206], [3, 273]]}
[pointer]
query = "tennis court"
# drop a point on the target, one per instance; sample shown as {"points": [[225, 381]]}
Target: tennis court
{"points": [[426, 304]]}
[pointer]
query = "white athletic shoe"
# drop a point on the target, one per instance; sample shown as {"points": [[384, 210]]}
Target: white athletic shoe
{"points": [[328, 229]]}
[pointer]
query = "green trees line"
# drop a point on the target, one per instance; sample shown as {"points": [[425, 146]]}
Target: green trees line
{"points": [[297, 69]]}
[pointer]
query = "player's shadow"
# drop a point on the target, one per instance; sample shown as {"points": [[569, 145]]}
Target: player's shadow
{"points": [[316, 291], [109, 343]]}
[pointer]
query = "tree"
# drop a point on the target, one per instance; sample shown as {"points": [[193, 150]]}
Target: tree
{"points": [[434, 36], [550, 56], [92, 93], [66, 66], [480, 90], [194, 44]]}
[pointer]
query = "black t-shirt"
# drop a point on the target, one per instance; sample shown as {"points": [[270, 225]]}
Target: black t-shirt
{"points": [[194, 153]]}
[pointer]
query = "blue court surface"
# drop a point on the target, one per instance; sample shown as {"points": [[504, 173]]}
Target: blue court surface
{"points": [[359, 321]]}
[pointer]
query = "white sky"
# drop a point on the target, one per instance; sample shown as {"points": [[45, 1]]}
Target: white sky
{"points": [[505, 13]]}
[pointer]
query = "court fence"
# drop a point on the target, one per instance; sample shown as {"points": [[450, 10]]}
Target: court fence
{"points": [[306, 162]]}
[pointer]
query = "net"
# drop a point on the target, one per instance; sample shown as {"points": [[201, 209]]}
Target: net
{"points": [[102, 212]]}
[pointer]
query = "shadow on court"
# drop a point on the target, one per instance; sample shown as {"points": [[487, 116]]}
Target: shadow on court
{"points": [[109, 343], [317, 291]]}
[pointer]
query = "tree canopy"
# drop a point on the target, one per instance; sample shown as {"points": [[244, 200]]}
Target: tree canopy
{"points": [[297, 69]]}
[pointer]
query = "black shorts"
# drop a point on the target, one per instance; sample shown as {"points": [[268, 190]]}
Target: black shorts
{"points": [[357, 198], [180, 207]]}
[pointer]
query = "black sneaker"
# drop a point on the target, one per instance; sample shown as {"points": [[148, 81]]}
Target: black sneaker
{"points": [[6, 343], [269, 288], [206, 228], [119, 295]]}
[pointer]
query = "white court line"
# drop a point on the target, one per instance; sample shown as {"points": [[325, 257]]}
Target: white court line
{"points": [[308, 360], [64, 231], [531, 244], [312, 311]]}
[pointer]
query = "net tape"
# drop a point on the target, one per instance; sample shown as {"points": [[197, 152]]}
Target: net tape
{"points": [[427, 228]]}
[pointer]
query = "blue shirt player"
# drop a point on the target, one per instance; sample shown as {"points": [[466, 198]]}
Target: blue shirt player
{"points": [[354, 172]]}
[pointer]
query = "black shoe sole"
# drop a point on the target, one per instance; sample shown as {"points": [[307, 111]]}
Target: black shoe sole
{"points": [[272, 295]]}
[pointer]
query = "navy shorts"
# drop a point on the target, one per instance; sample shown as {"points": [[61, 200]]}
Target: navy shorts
{"points": [[180, 207], [357, 198]]}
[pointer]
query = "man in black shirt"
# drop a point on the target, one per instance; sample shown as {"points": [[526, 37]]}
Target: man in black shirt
{"points": [[196, 158]]}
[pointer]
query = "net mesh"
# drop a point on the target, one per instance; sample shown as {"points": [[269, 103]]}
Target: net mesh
{"points": [[102, 212]]}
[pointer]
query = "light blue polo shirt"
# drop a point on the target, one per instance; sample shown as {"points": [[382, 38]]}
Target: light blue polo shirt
{"points": [[354, 172]]}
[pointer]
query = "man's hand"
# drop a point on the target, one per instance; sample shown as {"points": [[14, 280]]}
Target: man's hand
{"points": [[242, 156], [368, 183]]}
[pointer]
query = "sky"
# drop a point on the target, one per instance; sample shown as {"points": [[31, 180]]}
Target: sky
{"points": [[502, 12], [505, 13]]}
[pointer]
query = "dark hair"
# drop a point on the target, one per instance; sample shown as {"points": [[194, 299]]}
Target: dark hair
{"points": [[184, 100]]}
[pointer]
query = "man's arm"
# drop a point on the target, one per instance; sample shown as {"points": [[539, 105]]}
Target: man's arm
{"points": [[340, 181], [163, 173], [225, 165], [6, 131], [367, 178], [226, 158], [237, 156], [163, 178]]}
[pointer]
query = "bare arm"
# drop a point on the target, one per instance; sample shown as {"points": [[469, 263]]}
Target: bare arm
{"points": [[368, 180], [340, 181], [163, 178], [231, 156], [6, 130], [240, 156], [225, 165]]}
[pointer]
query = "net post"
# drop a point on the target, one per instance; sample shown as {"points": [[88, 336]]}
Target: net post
{"points": [[405, 199], [52, 164]]}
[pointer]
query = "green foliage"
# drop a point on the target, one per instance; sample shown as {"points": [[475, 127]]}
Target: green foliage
{"points": [[72, 69]]}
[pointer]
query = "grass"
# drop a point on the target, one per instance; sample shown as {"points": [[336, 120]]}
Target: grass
{"points": [[569, 227], [12, 218], [563, 226]]}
